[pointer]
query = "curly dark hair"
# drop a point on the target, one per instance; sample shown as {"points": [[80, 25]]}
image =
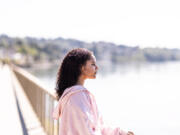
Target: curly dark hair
{"points": [[70, 69]]}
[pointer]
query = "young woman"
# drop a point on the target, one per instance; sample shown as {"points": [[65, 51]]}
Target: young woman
{"points": [[76, 108]]}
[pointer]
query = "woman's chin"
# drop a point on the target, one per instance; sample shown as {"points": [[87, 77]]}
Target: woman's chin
{"points": [[92, 77]]}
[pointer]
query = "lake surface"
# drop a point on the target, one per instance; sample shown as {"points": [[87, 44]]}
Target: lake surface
{"points": [[143, 98]]}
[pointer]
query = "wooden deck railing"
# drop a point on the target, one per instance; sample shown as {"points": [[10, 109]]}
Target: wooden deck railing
{"points": [[42, 100]]}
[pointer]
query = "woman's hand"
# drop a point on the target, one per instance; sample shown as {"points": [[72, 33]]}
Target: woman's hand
{"points": [[130, 133]]}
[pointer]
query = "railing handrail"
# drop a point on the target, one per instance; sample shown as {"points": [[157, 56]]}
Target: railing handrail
{"points": [[42, 99], [34, 80]]}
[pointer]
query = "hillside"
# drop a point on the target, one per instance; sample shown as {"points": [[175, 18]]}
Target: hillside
{"points": [[27, 51]]}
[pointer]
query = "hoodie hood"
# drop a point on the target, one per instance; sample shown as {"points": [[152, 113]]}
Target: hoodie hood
{"points": [[64, 98]]}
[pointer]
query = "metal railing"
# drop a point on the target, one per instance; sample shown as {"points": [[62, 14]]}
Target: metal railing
{"points": [[42, 100]]}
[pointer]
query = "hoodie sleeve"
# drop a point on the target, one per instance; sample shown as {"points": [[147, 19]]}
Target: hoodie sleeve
{"points": [[77, 116], [107, 130]]}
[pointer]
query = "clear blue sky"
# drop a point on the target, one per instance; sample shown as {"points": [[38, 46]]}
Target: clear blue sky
{"points": [[152, 23]]}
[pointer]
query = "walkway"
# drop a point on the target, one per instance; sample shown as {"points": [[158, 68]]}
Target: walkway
{"points": [[16, 115], [9, 116]]}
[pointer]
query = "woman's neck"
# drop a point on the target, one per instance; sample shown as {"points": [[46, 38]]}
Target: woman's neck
{"points": [[80, 81]]}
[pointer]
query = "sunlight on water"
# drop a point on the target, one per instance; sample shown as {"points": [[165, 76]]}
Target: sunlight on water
{"points": [[144, 100]]}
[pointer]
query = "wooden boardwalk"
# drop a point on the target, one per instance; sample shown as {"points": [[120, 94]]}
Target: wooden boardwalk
{"points": [[16, 116], [9, 115]]}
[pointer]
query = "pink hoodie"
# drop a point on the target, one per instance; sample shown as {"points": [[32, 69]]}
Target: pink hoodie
{"points": [[78, 114]]}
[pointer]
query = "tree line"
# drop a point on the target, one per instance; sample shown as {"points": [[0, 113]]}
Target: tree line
{"points": [[48, 50]]}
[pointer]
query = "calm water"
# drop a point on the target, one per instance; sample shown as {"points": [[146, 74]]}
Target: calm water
{"points": [[142, 98]]}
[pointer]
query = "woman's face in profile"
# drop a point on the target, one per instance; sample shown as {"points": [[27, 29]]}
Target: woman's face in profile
{"points": [[89, 70]]}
